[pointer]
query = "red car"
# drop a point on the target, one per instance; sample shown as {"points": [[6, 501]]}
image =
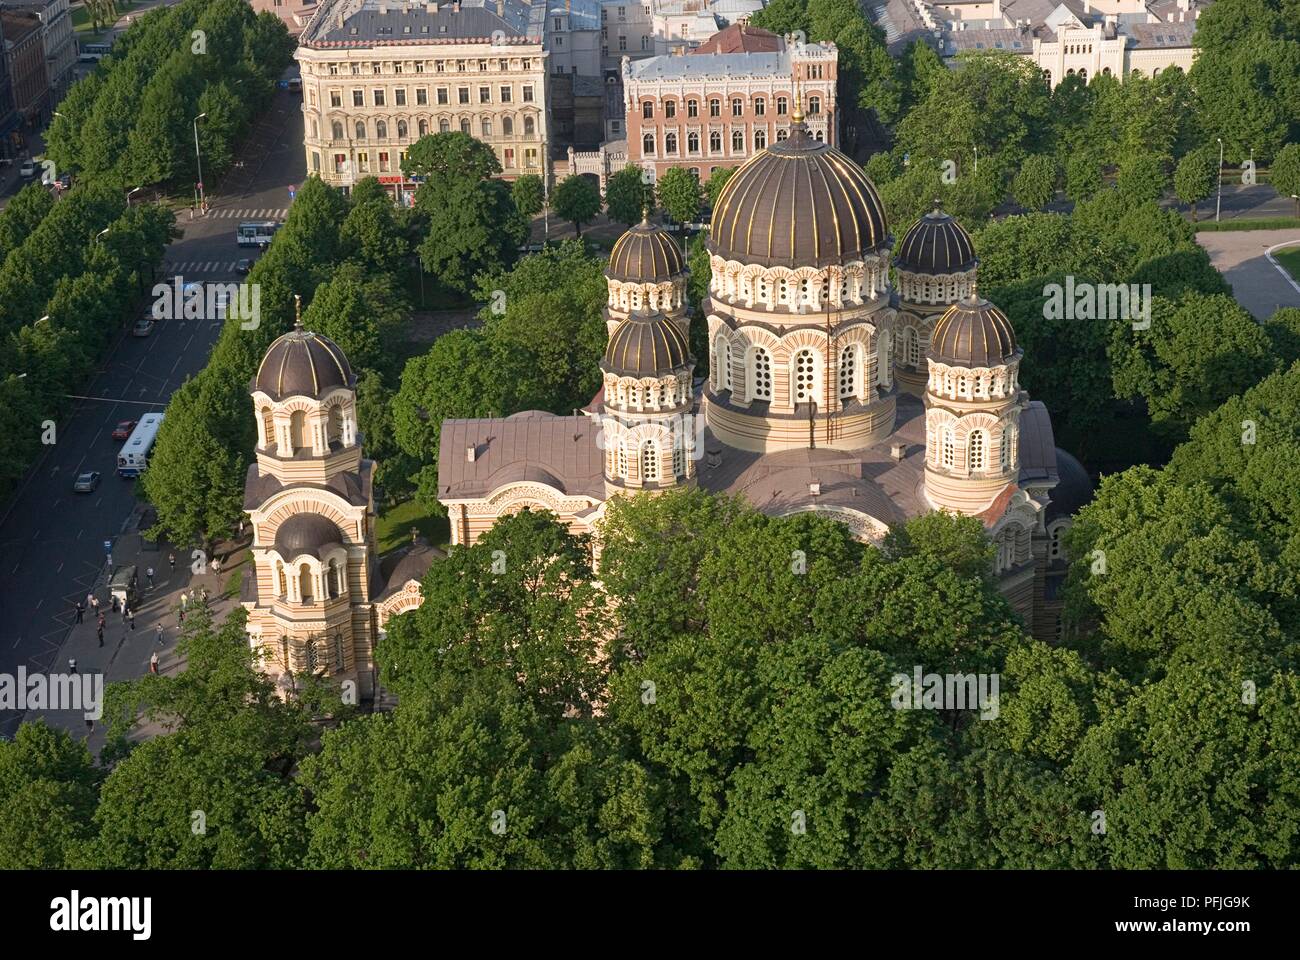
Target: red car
{"points": [[123, 430]]}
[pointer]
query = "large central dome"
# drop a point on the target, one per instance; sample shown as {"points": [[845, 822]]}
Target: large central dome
{"points": [[798, 203]]}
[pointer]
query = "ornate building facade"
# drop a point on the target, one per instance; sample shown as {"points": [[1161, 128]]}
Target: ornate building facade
{"points": [[831, 389]]}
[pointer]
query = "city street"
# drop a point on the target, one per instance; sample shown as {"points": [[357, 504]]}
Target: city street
{"points": [[52, 541]]}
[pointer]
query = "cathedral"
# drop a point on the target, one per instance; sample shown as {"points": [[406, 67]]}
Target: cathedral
{"points": [[832, 387]]}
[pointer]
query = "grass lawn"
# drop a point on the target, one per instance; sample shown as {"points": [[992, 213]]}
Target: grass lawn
{"points": [[81, 19], [1290, 260], [393, 528]]}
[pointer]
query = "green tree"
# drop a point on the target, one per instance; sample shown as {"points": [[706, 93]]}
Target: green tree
{"points": [[48, 792], [1143, 177], [717, 180], [577, 200], [1035, 185], [679, 194], [627, 195], [1082, 176], [528, 195], [359, 310], [1194, 179], [1284, 174]]}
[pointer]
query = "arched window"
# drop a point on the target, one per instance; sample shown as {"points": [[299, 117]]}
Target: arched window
{"points": [[1056, 546], [335, 427], [693, 142], [962, 387], [715, 107], [670, 143], [760, 374], [976, 458], [737, 106], [528, 126], [715, 141], [381, 129], [782, 106], [805, 377], [722, 363], [268, 427], [1008, 447], [760, 106], [361, 130], [282, 580], [848, 371], [648, 144], [336, 129], [679, 456], [402, 129], [423, 128], [444, 125], [948, 448], [464, 125], [622, 459], [304, 583], [649, 461], [782, 134], [298, 430], [814, 106], [1006, 549], [738, 141], [332, 580], [760, 139]]}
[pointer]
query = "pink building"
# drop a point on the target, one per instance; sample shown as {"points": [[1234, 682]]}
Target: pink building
{"points": [[709, 110], [294, 13]]}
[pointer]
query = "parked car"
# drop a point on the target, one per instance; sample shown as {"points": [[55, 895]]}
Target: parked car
{"points": [[28, 170], [86, 482], [65, 180], [244, 265], [123, 430], [143, 327]]}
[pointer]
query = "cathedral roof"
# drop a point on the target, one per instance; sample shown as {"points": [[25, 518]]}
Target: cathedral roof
{"points": [[798, 203], [973, 333], [410, 563], [645, 254], [936, 244], [559, 451], [353, 488], [1074, 490], [302, 363], [646, 344], [305, 533]]}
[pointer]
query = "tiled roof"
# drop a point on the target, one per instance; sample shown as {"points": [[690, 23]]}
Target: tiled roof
{"points": [[347, 23], [558, 451], [741, 38]]}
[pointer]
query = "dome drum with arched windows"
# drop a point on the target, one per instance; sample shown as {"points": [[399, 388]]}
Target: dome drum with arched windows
{"points": [[302, 364], [973, 333], [936, 244], [646, 344], [799, 203], [305, 533]]}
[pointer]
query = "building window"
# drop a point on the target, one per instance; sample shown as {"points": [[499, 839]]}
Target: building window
{"points": [[358, 98], [424, 128], [1008, 447], [381, 129], [622, 459], [848, 372], [464, 125], [336, 98], [622, 42], [715, 108], [692, 108], [337, 130], [670, 143], [760, 139], [528, 126], [805, 374], [487, 127], [814, 105], [506, 94], [379, 98], [462, 94], [507, 127], [484, 94], [361, 130], [693, 142], [528, 93], [383, 162], [679, 456], [530, 157], [738, 141], [715, 141], [975, 451], [647, 110], [649, 461], [782, 105], [648, 144], [782, 134], [402, 129], [363, 162], [400, 94], [760, 375], [948, 448], [670, 109]]}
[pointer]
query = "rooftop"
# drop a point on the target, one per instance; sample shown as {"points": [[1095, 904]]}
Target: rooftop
{"points": [[360, 23]]}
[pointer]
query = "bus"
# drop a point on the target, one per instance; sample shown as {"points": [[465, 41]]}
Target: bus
{"points": [[256, 233], [133, 459], [94, 52]]}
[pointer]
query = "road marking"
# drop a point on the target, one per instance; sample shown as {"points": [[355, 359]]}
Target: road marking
{"points": [[37, 536], [99, 501], [39, 602], [16, 642], [79, 533], [60, 570]]}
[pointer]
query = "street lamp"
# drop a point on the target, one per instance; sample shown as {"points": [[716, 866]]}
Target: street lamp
{"points": [[1218, 203], [198, 160], [131, 193], [44, 319], [100, 234]]}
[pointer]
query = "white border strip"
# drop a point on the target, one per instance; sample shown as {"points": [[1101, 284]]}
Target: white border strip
{"points": [[1281, 269]]}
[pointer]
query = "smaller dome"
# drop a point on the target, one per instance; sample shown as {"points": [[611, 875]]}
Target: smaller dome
{"points": [[302, 364], [644, 344], [305, 533], [1073, 491], [645, 254], [973, 333], [936, 244]]}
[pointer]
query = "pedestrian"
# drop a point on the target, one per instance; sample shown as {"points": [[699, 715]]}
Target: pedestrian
{"points": [[153, 662], [205, 594], [181, 616], [90, 725], [125, 612], [132, 621], [185, 599], [99, 632], [216, 565], [81, 609], [114, 602], [149, 573], [160, 634], [171, 558], [91, 601], [99, 620], [72, 664]]}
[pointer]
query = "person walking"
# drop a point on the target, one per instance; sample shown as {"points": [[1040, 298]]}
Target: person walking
{"points": [[205, 594], [113, 601], [125, 612], [99, 619], [149, 573], [81, 610], [133, 621], [185, 599], [72, 664], [171, 558], [99, 633], [160, 634], [153, 662], [91, 601]]}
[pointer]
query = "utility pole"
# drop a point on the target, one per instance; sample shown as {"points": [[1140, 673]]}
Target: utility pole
{"points": [[198, 160], [1218, 203]]}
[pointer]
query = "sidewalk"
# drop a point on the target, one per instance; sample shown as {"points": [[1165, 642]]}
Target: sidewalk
{"points": [[125, 654]]}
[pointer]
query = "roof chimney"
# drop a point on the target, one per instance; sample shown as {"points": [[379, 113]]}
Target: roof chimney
{"points": [[471, 453], [814, 489], [898, 450]]}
